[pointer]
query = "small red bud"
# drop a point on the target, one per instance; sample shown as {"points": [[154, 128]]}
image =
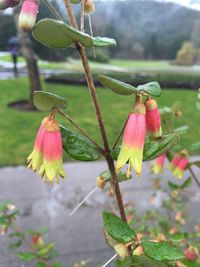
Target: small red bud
{"points": [[28, 15], [89, 7]]}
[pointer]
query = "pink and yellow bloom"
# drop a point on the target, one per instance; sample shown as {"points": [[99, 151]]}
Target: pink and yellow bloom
{"points": [[158, 164], [46, 157], [52, 164], [178, 165], [8, 3], [153, 122], [133, 141], [28, 15], [35, 159]]}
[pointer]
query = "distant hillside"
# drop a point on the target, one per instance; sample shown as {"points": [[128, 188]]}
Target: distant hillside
{"points": [[159, 27]]}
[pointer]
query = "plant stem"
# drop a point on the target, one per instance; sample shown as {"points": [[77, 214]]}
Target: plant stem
{"points": [[82, 16], [81, 130], [119, 134], [194, 176], [92, 88]]}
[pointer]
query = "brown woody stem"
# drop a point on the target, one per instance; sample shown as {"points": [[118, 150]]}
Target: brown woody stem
{"points": [[194, 176], [92, 88]]}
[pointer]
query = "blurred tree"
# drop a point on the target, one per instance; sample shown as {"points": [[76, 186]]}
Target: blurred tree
{"points": [[30, 57], [138, 51], [186, 55]]}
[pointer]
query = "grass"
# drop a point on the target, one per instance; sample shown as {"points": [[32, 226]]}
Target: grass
{"points": [[139, 63], [18, 129]]}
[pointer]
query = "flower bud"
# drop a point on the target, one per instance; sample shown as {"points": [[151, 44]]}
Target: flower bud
{"points": [[153, 123], [28, 15], [8, 3], [191, 253], [158, 164], [100, 182], [37, 240], [122, 250], [89, 7], [138, 251]]}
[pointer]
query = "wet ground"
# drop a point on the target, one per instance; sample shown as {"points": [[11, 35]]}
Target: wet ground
{"points": [[80, 236]]}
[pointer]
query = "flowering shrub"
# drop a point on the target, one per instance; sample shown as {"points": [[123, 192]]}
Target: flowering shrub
{"points": [[136, 242]]}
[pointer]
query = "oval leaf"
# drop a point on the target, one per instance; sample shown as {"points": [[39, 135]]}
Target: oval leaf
{"points": [[45, 101], [57, 34], [152, 88], [78, 147], [122, 177], [104, 41], [187, 183], [117, 86], [26, 256], [52, 33], [117, 228], [157, 148], [194, 147], [162, 251]]}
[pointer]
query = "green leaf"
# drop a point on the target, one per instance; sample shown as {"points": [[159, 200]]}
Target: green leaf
{"points": [[162, 251], [182, 129], [75, 1], [152, 88], [26, 256], [16, 244], [190, 263], [173, 186], [45, 101], [57, 34], [104, 41], [187, 183], [43, 230], [45, 250], [196, 163], [178, 237], [52, 33], [17, 234], [57, 264], [41, 264], [194, 147], [121, 176], [117, 228], [139, 261], [156, 148], [3, 220], [4, 205], [117, 86], [78, 147]]}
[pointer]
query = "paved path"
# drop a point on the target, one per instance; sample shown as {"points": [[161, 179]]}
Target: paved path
{"points": [[78, 237]]}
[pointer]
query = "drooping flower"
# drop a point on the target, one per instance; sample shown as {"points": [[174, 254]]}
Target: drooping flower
{"points": [[52, 165], [8, 3], [153, 123], [158, 164], [34, 160], [89, 7], [133, 141], [28, 15], [178, 165]]}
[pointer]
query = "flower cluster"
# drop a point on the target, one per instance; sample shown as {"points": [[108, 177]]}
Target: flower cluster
{"points": [[179, 164], [145, 118], [46, 157]]}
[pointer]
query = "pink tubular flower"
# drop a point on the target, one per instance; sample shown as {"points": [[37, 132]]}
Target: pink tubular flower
{"points": [[133, 141], [158, 164], [178, 165], [153, 123], [8, 3], [28, 15], [34, 160], [52, 165]]}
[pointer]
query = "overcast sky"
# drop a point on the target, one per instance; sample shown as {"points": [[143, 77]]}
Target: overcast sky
{"points": [[190, 3]]}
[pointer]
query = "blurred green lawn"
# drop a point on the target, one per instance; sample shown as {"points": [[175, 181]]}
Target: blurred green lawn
{"points": [[18, 128]]}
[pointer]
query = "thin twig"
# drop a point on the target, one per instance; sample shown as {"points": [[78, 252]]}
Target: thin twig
{"points": [[82, 15], [91, 32], [119, 134], [53, 10], [81, 130], [194, 176]]}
